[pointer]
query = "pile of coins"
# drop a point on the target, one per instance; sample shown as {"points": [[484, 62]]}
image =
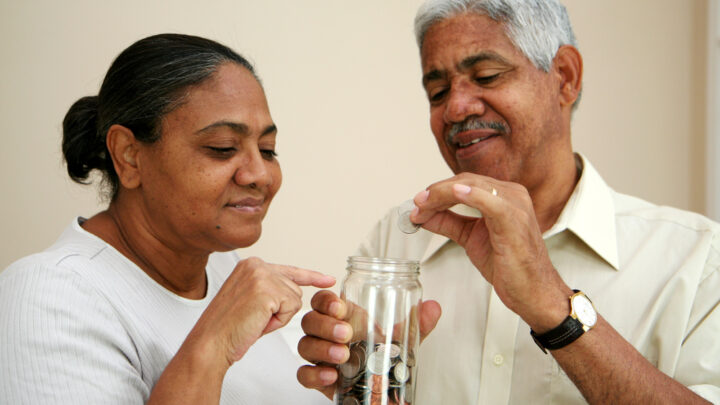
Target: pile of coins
{"points": [[379, 375]]}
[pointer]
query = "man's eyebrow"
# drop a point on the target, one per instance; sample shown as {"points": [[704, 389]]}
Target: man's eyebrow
{"points": [[472, 60], [465, 64], [237, 127], [432, 75]]}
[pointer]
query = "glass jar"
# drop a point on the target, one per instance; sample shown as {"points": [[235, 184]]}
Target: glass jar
{"points": [[383, 296]]}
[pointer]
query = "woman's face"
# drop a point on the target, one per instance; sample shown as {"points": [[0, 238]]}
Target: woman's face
{"points": [[207, 183]]}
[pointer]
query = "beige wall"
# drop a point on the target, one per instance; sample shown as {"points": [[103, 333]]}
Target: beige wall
{"points": [[342, 80]]}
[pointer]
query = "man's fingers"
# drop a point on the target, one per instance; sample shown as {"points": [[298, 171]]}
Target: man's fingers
{"points": [[449, 224], [317, 350], [327, 302], [429, 315], [326, 327], [321, 378]]}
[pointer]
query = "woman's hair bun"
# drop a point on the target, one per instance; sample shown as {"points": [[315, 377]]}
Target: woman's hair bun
{"points": [[82, 148]]}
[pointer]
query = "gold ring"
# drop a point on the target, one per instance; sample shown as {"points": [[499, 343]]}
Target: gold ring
{"points": [[494, 192]]}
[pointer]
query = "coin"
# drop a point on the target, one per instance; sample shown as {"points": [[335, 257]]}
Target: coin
{"points": [[378, 363], [350, 401], [401, 372], [355, 362]]}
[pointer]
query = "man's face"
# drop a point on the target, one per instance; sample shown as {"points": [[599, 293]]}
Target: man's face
{"points": [[491, 111]]}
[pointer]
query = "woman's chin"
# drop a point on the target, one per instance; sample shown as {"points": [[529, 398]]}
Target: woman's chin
{"points": [[239, 238]]}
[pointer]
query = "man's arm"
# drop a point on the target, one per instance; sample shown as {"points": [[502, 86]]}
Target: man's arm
{"points": [[506, 246]]}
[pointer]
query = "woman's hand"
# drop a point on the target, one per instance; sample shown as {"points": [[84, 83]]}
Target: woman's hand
{"points": [[328, 333], [256, 299]]}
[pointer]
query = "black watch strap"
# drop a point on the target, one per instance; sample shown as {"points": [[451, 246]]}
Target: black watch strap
{"points": [[563, 335]]}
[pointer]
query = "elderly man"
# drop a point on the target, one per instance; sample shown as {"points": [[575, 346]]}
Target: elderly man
{"points": [[502, 78]]}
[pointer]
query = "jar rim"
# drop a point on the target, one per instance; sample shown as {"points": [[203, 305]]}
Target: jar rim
{"points": [[387, 264]]}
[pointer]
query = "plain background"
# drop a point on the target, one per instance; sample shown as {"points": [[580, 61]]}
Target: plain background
{"points": [[343, 82]]}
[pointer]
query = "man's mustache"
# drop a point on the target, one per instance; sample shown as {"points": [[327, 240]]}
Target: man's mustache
{"points": [[472, 123]]}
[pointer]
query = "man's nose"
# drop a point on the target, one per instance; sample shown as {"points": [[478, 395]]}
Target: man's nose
{"points": [[463, 101]]}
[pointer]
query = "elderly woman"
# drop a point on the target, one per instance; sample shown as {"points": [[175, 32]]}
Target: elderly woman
{"points": [[129, 306]]}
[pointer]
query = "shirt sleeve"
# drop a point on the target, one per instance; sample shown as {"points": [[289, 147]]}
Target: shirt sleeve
{"points": [[699, 361], [61, 342]]}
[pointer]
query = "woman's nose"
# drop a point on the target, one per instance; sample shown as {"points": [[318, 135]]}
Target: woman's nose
{"points": [[252, 170]]}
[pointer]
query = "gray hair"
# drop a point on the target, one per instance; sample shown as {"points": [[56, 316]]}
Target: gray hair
{"points": [[536, 27]]}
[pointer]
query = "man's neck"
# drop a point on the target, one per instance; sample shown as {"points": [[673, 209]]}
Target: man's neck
{"points": [[550, 198]]}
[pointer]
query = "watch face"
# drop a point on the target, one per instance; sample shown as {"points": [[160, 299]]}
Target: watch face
{"points": [[584, 310]]}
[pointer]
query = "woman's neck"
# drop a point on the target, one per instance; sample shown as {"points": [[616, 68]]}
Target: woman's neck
{"points": [[134, 237]]}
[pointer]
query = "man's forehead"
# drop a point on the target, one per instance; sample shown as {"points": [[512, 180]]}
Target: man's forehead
{"points": [[462, 36]]}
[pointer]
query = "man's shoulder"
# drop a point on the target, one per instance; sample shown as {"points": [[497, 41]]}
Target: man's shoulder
{"points": [[631, 208]]}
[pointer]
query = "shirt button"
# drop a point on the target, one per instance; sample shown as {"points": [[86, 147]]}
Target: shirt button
{"points": [[498, 359]]}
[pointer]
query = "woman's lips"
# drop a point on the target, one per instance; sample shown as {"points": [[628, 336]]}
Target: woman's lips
{"points": [[250, 205]]}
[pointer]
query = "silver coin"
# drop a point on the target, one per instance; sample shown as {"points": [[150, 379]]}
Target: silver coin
{"points": [[403, 221], [350, 401], [355, 363], [378, 363], [394, 350], [401, 372]]}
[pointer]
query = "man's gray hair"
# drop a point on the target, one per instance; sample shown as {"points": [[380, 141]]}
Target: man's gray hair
{"points": [[536, 27]]}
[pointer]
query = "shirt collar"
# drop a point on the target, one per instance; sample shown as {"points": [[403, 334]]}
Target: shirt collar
{"points": [[589, 213]]}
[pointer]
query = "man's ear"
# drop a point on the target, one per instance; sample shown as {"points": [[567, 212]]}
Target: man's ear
{"points": [[124, 150], [568, 65]]}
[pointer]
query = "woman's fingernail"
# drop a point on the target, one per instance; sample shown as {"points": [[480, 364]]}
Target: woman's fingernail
{"points": [[422, 196], [461, 188]]}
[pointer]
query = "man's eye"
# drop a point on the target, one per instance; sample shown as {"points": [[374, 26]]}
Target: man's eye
{"points": [[487, 79], [268, 154], [437, 95]]}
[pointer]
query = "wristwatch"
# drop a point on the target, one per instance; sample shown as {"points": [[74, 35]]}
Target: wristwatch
{"points": [[582, 318]]}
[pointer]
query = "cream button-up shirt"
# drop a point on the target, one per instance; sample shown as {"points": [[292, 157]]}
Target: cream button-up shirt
{"points": [[652, 272]]}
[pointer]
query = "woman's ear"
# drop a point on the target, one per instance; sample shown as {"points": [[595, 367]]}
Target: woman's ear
{"points": [[568, 65], [124, 149]]}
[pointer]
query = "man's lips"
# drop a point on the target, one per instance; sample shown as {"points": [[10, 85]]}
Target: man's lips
{"points": [[465, 139]]}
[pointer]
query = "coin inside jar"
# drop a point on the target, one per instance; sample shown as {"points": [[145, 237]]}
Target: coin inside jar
{"points": [[378, 363], [355, 363], [401, 372], [350, 401]]}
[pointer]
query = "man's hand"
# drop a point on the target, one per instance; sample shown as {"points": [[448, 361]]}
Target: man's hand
{"points": [[328, 333], [505, 245]]}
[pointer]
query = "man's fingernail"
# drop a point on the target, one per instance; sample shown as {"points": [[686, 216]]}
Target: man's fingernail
{"points": [[337, 353], [327, 376], [334, 308], [341, 332], [461, 188], [422, 196]]}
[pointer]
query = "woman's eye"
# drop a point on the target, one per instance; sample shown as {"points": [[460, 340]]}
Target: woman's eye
{"points": [[221, 152], [268, 154]]}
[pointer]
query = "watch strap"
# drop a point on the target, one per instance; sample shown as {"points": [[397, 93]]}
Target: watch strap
{"points": [[567, 332]]}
